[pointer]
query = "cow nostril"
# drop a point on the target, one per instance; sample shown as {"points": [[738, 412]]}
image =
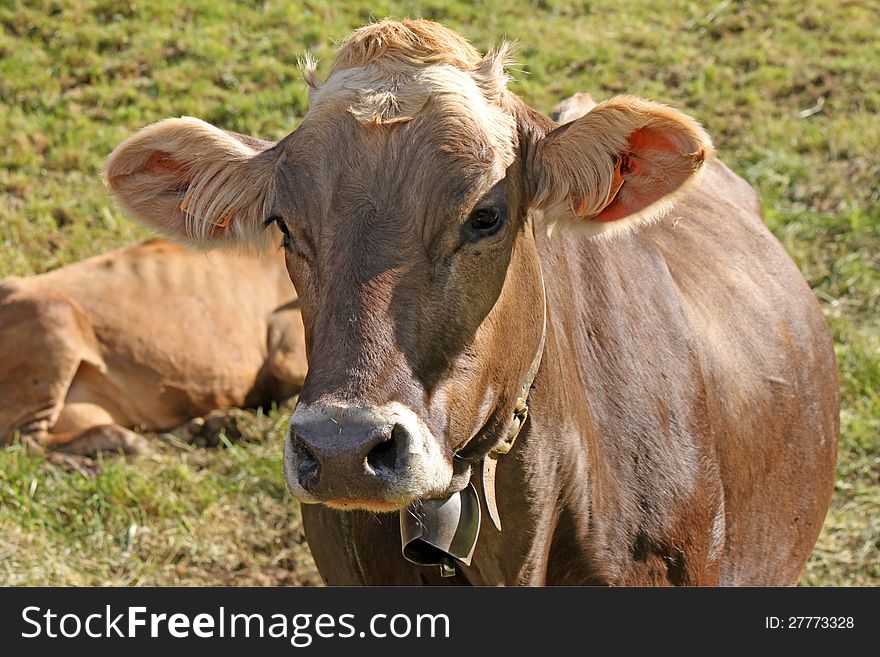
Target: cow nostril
{"points": [[307, 466], [383, 457]]}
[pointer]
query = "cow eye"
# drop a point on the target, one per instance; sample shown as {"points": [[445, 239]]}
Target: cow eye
{"points": [[287, 240], [486, 221]]}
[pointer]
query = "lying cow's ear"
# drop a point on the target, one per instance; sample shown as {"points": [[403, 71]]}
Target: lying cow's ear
{"points": [[620, 165], [193, 181]]}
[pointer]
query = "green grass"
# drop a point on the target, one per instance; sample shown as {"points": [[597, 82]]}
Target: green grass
{"points": [[180, 515], [790, 92]]}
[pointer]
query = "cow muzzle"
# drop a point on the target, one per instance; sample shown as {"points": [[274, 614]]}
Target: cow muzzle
{"points": [[363, 457]]}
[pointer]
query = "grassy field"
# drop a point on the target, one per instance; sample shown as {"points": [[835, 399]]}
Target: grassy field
{"points": [[790, 92]]}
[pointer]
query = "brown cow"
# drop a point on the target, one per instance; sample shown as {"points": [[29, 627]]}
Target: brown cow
{"points": [[573, 107], [128, 339], [672, 391]]}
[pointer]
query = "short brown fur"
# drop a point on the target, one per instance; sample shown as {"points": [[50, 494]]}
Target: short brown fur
{"points": [[684, 419]]}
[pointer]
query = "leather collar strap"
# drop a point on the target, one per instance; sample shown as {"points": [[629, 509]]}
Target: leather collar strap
{"points": [[520, 414]]}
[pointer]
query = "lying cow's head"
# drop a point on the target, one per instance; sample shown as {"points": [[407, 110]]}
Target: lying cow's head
{"points": [[406, 201]]}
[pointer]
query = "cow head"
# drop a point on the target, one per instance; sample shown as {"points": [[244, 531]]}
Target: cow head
{"points": [[406, 202]]}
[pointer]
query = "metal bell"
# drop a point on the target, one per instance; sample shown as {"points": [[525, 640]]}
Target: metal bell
{"points": [[440, 532]]}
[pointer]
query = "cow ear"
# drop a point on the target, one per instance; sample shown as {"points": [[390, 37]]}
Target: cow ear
{"points": [[617, 167], [195, 182]]}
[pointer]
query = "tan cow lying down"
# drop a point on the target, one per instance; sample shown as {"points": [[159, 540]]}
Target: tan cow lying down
{"points": [[148, 336]]}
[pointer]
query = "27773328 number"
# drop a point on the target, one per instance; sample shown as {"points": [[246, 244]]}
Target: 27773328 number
{"points": [[809, 622]]}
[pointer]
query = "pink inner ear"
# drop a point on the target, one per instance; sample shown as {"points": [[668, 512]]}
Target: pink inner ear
{"points": [[160, 162], [635, 164], [649, 139]]}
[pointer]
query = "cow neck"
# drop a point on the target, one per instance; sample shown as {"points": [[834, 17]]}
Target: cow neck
{"points": [[515, 425], [441, 532]]}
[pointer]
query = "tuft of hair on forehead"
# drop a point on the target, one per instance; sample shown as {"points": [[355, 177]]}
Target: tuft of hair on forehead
{"points": [[387, 72], [408, 42], [396, 52]]}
